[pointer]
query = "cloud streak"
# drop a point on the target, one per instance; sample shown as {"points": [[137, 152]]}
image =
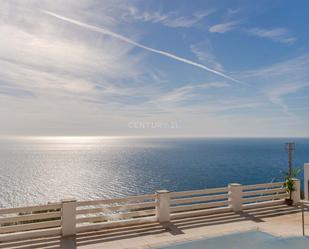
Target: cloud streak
{"points": [[276, 94], [282, 81], [188, 91], [127, 40], [223, 27], [205, 54], [277, 34], [170, 19]]}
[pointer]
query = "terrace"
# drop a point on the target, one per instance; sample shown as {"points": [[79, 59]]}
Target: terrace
{"points": [[150, 221]]}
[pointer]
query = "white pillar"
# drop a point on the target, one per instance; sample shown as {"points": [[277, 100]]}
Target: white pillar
{"points": [[68, 217], [235, 196], [306, 179], [296, 192], [163, 205]]}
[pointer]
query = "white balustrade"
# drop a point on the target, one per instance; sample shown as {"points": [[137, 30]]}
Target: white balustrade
{"points": [[70, 216]]}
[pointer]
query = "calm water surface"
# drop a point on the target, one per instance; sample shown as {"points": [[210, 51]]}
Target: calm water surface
{"points": [[38, 170]]}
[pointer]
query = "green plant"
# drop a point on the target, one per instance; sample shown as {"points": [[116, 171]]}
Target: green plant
{"points": [[289, 182]]}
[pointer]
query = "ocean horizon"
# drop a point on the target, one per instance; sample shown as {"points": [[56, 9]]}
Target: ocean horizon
{"points": [[37, 170]]}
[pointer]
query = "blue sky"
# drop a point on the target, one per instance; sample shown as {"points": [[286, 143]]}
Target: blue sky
{"points": [[154, 68]]}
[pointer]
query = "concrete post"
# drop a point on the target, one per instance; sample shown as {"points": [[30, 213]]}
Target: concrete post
{"points": [[163, 205], [306, 179], [296, 192], [235, 196], [68, 217]]}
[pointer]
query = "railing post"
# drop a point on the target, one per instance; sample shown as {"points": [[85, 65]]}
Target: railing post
{"points": [[68, 217], [235, 196], [296, 192], [306, 179], [163, 206]]}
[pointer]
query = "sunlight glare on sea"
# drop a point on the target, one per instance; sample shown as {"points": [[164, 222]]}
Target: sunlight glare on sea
{"points": [[36, 170]]}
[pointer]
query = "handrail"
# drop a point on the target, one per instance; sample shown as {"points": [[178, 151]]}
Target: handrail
{"points": [[263, 185], [70, 215], [116, 200]]}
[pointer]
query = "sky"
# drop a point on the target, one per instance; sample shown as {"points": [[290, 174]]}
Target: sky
{"points": [[154, 68]]}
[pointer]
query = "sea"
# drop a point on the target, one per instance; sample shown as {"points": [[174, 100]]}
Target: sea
{"points": [[38, 170]]}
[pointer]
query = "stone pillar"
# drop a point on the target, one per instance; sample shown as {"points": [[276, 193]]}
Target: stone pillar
{"points": [[306, 179], [163, 205], [296, 192], [68, 217], [235, 196]]}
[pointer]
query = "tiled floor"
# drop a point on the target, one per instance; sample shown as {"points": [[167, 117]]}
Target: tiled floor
{"points": [[280, 220]]}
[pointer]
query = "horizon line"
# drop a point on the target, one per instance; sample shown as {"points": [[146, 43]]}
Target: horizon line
{"points": [[140, 136]]}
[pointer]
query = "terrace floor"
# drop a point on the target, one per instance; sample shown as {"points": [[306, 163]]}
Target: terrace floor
{"points": [[279, 220]]}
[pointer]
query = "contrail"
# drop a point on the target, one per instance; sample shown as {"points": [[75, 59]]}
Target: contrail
{"points": [[127, 40]]}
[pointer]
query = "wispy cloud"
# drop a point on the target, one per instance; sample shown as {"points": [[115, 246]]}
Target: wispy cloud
{"points": [[53, 72], [31, 61], [281, 35], [235, 11], [127, 40], [188, 92], [205, 53], [69, 77], [171, 19], [223, 27], [278, 92], [294, 69], [280, 80]]}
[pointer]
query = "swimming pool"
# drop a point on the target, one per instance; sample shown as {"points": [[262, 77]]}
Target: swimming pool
{"points": [[246, 240]]}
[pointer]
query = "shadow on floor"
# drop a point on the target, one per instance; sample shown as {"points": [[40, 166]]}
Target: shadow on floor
{"points": [[176, 227]]}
